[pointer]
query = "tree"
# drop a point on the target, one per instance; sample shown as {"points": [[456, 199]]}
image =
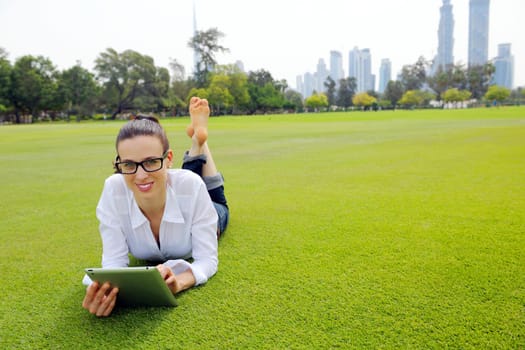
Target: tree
{"points": [[5, 81], [206, 45], [180, 88], [177, 69], [317, 101], [237, 85], [269, 98], [33, 85], [260, 77], [78, 88], [155, 95], [414, 76], [455, 95], [294, 100], [345, 92], [264, 93], [330, 85], [363, 99], [394, 92], [125, 76], [479, 78], [199, 92], [281, 85], [219, 95], [411, 98], [497, 93], [455, 76]]}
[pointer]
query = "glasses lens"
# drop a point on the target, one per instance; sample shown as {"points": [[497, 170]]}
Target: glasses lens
{"points": [[152, 164], [127, 167]]}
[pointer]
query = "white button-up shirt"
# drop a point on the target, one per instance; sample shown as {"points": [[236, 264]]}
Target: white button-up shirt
{"points": [[188, 228]]}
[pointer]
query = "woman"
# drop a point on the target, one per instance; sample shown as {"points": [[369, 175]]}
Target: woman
{"points": [[161, 214]]}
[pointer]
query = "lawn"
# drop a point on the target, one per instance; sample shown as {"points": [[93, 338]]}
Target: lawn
{"points": [[384, 229]]}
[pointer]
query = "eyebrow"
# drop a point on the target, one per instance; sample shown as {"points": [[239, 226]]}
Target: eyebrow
{"points": [[143, 160]]}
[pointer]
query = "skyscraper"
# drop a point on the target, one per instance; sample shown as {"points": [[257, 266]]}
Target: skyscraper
{"points": [[385, 74], [445, 53], [504, 64], [196, 56], [336, 66], [478, 34], [354, 63], [308, 84], [360, 68], [320, 76]]}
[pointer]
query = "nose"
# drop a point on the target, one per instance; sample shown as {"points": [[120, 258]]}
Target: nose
{"points": [[141, 173]]}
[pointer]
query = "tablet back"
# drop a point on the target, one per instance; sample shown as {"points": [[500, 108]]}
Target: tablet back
{"points": [[138, 286]]}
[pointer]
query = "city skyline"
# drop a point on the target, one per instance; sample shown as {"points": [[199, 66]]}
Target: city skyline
{"points": [[284, 38], [359, 61]]}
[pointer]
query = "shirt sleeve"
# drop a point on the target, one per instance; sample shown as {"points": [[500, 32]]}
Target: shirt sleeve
{"points": [[114, 247], [203, 240]]}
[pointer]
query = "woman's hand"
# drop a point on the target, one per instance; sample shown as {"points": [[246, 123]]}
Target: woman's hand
{"points": [[177, 283], [169, 277], [100, 300]]}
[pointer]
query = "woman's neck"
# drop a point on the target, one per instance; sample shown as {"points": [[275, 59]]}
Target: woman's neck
{"points": [[152, 209]]}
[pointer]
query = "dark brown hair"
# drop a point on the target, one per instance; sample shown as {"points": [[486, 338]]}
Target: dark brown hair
{"points": [[143, 125]]}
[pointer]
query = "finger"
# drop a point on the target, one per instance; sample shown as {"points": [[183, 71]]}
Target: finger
{"points": [[163, 271], [170, 281], [99, 298], [90, 292], [110, 308], [108, 303]]}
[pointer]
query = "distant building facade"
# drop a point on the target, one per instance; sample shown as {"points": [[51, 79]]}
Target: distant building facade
{"points": [[445, 52], [478, 34], [385, 74], [504, 64], [320, 76], [196, 56], [336, 66], [308, 85], [360, 68]]}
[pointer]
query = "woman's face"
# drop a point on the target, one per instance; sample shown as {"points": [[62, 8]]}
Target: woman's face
{"points": [[145, 185]]}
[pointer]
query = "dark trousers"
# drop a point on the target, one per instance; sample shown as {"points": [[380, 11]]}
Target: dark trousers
{"points": [[215, 186]]}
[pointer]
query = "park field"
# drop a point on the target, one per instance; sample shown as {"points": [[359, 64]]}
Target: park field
{"points": [[371, 230]]}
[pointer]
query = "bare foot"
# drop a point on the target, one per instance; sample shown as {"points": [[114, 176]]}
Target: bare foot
{"points": [[199, 113]]}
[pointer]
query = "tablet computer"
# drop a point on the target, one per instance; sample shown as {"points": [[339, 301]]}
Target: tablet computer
{"points": [[138, 286]]}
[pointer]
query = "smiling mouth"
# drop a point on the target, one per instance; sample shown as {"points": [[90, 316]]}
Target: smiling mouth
{"points": [[145, 187]]}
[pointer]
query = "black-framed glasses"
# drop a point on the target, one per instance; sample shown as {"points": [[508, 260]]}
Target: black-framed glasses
{"points": [[151, 165]]}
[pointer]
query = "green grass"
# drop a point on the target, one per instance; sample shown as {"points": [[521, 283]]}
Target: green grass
{"points": [[388, 230]]}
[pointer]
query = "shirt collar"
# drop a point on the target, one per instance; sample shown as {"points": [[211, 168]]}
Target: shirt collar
{"points": [[172, 212]]}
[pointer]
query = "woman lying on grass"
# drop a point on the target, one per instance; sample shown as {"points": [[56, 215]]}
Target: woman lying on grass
{"points": [[160, 214]]}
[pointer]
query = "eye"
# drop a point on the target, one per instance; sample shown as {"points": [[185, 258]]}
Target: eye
{"points": [[127, 165], [151, 162]]}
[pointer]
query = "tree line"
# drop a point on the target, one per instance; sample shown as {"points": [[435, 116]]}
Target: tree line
{"points": [[130, 82]]}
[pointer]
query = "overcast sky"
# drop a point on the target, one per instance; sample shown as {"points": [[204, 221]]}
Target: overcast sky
{"points": [[285, 37]]}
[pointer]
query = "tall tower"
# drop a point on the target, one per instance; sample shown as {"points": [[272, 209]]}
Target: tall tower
{"points": [[478, 33], [385, 74], [336, 66], [360, 68], [368, 78], [196, 56], [320, 75], [504, 64], [445, 54], [354, 64]]}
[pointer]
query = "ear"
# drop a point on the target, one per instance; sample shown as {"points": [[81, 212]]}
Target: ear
{"points": [[169, 158]]}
